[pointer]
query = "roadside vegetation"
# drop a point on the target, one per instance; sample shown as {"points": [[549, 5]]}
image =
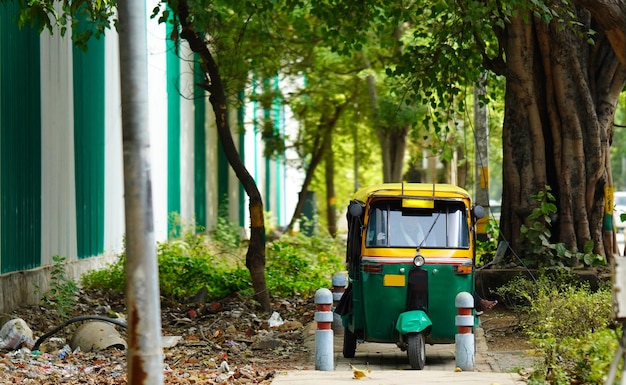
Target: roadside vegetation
{"points": [[570, 325], [215, 262], [569, 321]]}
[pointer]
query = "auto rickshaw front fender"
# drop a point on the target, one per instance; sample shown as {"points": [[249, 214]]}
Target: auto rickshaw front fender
{"points": [[413, 321]]}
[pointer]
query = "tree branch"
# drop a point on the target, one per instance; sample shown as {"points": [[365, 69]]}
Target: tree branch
{"points": [[611, 17]]}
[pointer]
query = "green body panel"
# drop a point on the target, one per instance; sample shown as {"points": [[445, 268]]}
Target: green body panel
{"points": [[376, 307], [413, 321]]}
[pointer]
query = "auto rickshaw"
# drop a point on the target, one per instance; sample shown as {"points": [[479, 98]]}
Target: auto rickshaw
{"points": [[410, 251]]}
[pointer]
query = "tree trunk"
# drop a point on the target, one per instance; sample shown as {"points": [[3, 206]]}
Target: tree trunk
{"points": [[392, 141], [561, 95], [326, 126], [144, 357], [255, 257], [331, 200], [393, 146]]}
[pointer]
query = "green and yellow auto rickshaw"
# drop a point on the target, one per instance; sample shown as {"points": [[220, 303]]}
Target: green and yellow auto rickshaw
{"points": [[410, 251]]}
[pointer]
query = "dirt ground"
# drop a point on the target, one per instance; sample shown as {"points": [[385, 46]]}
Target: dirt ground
{"points": [[508, 347], [223, 342], [502, 330]]}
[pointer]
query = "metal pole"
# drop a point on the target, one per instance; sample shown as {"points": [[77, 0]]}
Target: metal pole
{"points": [[145, 354], [482, 154]]}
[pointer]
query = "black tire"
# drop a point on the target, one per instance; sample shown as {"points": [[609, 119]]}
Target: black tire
{"points": [[349, 343], [416, 350]]}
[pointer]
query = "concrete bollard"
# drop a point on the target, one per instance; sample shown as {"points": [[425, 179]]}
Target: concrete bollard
{"points": [[324, 359], [464, 339], [340, 281]]}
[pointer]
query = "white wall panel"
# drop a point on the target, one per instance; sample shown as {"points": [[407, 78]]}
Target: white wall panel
{"points": [[157, 85], [212, 144], [114, 221], [58, 203], [187, 135]]}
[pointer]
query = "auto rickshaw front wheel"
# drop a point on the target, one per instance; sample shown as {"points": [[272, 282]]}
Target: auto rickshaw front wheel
{"points": [[416, 350], [349, 343]]}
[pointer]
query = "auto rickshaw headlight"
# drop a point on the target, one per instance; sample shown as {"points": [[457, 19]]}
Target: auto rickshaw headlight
{"points": [[419, 260]]}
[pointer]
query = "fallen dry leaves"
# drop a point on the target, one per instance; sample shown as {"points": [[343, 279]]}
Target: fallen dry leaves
{"points": [[223, 342]]}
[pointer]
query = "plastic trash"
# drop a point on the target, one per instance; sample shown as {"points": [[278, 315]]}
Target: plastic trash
{"points": [[275, 320], [16, 333], [224, 368], [65, 351]]}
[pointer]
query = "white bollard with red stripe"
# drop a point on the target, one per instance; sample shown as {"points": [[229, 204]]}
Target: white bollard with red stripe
{"points": [[324, 336], [340, 281], [464, 339]]}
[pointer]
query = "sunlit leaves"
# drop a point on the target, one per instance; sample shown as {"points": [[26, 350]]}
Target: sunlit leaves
{"points": [[86, 18]]}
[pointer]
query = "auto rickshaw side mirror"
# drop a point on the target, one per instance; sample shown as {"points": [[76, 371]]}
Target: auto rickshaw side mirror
{"points": [[355, 209], [478, 211]]}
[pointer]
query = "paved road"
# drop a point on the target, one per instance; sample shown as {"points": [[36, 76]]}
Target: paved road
{"points": [[390, 366]]}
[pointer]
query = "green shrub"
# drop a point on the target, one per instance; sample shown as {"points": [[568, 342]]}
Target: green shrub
{"points": [[112, 277], [584, 360], [186, 266], [486, 250], [301, 264], [570, 324], [226, 234], [294, 265], [536, 235]]}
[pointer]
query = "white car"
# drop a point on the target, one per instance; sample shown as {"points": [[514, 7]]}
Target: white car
{"points": [[620, 208]]}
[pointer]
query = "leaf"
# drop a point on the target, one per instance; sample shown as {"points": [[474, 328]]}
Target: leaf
{"points": [[360, 373], [588, 248]]}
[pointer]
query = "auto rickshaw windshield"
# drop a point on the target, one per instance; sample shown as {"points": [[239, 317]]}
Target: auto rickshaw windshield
{"points": [[391, 225]]}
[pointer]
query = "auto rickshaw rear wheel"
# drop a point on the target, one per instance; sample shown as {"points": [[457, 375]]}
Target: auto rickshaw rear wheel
{"points": [[416, 350], [349, 344]]}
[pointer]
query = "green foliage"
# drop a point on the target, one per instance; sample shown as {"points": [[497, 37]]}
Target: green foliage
{"points": [[519, 293], [570, 360], [62, 292], [111, 277], [536, 234], [86, 18], [295, 265], [486, 250], [569, 324], [226, 234], [187, 264], [301, 265]]}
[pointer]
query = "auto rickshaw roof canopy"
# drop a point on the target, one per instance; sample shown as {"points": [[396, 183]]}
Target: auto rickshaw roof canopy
{"points": [[421, 190]]}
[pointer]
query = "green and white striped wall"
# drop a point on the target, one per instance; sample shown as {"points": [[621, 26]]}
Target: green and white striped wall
{"points": [[61, 172]]}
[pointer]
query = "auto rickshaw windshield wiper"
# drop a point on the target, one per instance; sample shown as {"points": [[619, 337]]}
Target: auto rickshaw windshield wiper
{"points": [[432, 226]]}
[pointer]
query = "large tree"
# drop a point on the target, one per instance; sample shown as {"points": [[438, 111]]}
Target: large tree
{"points": [[565, 68], [563, 83], [198, 38]]}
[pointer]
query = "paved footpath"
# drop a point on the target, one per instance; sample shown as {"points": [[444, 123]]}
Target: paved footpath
{"points": [[390, 366]]}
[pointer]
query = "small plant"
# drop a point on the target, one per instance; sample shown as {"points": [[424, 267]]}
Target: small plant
{"points": [[486, 250], [62, 292], [227, 234], [539, 251], [112, 277]]}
